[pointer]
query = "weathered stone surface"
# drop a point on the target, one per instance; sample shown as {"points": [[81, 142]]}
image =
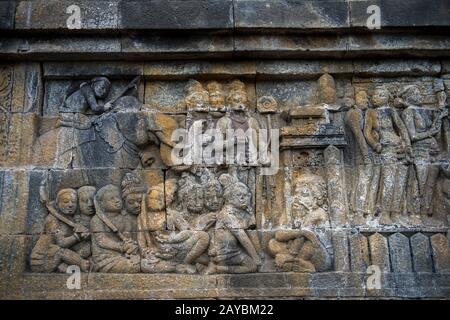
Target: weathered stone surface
{"points": [[400, 253], [401, 13], [359, 252], [7, 11], [379, 252], [420, 246], [54, 15], [359, 154], [285, 14], [441, 252], [176, 14]]}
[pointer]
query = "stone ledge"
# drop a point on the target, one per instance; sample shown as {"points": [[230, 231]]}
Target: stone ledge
{"points": [[297, 285], [223, 46]]}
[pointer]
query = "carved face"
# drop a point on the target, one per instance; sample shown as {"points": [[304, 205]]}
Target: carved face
{"points": [[67, 202], [194, 199], [413, 96], [213, 196], [133, 203], [156, 200], [380, 98], [304, 197], [362, 102], [197, 100], [101, 88], [111, 201], [237, 100], [240, 198], [86, 202], [216, 100]]}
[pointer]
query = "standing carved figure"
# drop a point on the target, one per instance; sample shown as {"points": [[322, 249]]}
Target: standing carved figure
{"points": [[54, 250], [387, 135], [362, 197], [423, 126]]}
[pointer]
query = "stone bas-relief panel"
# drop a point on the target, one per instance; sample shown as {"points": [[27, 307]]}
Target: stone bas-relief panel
{"points": [[363, 176]]}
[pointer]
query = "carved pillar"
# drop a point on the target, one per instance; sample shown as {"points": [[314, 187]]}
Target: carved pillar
{"points": [[338, 206]]}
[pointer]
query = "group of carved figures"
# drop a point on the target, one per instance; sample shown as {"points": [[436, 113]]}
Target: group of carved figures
{"points": [[398, 154], [122, 230], [200, 220]]}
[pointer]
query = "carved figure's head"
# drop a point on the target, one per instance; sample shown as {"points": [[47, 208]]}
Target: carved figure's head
{"points": [[237, 97], [213, 191], [197, 97], [362, 100], [216, 96], [235, 192], [108, 199], [155, 198], [327, 89], [66, 201], [380, 97], [86, 196], [190, 194], [133, 188], [101, 87], [411, 95]]}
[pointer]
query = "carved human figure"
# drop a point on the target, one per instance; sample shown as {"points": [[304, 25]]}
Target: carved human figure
{"points": [[423, 126], [86, 208], [198, 119], [216, 97], [75, 126], [387, 135], [54, 250], [231, 250], [188, 240], [298, 251], [366, 174], [114, 248], [309, 208], [239, 120]]}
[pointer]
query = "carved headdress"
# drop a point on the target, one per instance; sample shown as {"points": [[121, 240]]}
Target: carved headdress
{"points": [[131, 184], [196, 97], [237, 96]]}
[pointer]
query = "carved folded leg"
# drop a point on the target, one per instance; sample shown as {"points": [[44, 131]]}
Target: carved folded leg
{"points": [[72, 258], [241, 263]]}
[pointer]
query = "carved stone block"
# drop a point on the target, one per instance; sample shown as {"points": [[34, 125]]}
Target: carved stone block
{"points": [[421, 251], [441, 252], [400, 253]]}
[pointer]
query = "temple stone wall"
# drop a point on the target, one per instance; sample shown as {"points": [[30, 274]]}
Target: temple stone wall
{"points": [[351, 199]]}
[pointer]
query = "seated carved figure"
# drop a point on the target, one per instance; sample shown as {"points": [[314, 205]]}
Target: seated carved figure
{"points": [[54, 249], [186, 243], [231, 250], [113, 248], [86, 207], [309, 202], [298, 251]]}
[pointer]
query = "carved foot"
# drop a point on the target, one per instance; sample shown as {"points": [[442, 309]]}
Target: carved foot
{"points": [[186, 268], [211, 269]]}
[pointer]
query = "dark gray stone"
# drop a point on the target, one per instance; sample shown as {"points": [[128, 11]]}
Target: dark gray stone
{"points": [[420, 245], [7, 10], [359, 252], [416, 13], [400, 253], [45, 15], [177, 14], [291, 14]]}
